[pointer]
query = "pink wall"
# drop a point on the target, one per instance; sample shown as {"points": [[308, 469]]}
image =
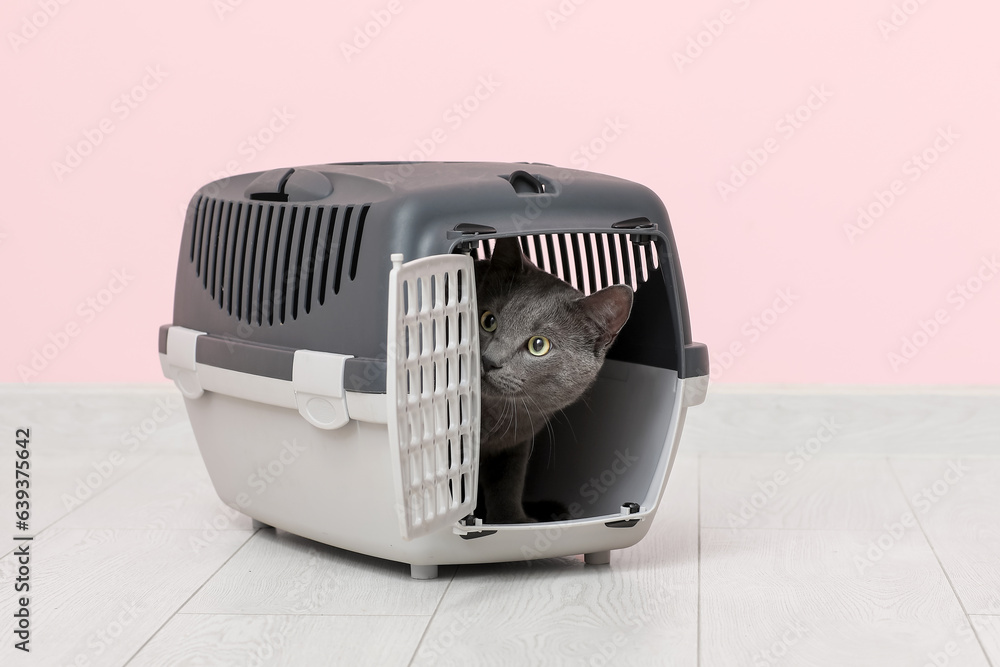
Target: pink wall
{"points": [[163, 96]]}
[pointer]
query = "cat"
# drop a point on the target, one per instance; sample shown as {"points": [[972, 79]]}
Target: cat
{"points": [[542, 343]]}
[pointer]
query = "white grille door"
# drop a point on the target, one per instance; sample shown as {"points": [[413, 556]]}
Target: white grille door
{"points": [[432, 388]]}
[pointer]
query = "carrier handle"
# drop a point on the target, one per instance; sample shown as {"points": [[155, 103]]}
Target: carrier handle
{"points": [[316, 388]]}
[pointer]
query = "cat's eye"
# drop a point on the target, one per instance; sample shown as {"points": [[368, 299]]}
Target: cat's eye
{"points": [[488, 321], [539, 345]]}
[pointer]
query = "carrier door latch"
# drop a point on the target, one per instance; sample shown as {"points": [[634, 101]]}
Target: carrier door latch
{"points": [[318, 382]]}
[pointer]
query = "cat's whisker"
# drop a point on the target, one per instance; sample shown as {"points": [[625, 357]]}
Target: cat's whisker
{"points": [[552, 436], [505, 418], [510, 420], [531, 448], [569, 423], [513, 402], [552, 440], [495, 426], [548, 426], [500, 418]]}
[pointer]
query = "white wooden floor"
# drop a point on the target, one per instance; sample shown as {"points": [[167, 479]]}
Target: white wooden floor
{"points": [[785, 539]]}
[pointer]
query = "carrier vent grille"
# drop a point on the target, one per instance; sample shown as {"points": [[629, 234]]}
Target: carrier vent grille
{"points": [[588, 262], [270, 263]]}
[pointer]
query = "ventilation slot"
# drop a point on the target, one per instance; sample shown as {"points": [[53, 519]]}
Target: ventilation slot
{"points": [[323, 253], [229, 256], [213, 247], [341, 247], [588, 262], [205, 240], [312, 259], [199, 217], [236, 291], [358, 231], [298, 272], [287, 271], [219, 262], [270, 263], [244, 305]]}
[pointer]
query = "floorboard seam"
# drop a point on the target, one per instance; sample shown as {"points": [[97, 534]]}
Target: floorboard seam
{"points": [[947, 577], [52, 525], [697, 613], [416, 649], [181, 606]]}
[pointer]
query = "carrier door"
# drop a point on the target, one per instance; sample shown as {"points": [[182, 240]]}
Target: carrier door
{"points": [[432, 388]]}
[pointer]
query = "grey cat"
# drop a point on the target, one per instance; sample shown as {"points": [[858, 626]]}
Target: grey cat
{"points": [[542, 343]]}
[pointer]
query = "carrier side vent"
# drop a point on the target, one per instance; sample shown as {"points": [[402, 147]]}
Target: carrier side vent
{"points": [[589, 262], [270, 263]]}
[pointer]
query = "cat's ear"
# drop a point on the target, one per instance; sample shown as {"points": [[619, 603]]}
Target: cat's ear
{"points": [[609, 308], [507, 255]]}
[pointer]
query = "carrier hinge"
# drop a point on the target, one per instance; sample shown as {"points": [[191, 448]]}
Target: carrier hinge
{"points": [[471, 521], [626, 510], [468, 232]]}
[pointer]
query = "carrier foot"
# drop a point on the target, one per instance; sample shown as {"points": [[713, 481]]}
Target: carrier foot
{"points": [[255, 524], [598, 557], [424, 571]]}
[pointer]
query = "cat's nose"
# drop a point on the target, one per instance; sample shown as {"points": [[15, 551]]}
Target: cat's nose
{"points": [[490, 364]]}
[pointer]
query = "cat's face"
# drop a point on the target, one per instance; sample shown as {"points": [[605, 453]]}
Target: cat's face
{"points": [[540, 339]]}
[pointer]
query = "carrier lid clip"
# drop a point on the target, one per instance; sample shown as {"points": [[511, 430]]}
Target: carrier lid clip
{"points": [[179, 362], [318, 382]]}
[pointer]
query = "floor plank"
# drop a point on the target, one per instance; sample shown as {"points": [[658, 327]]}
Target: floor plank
{"points": [[63, 482], [107, 566], [871, 424], [988, 630], [225, 640], [166, 492], [640, 610], [85, 440], [280, 573], [811, 597], [795, 492], [957, 501], [98, 595], [68, 418]]}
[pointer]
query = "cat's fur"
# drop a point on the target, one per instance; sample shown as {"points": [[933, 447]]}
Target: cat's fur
{"points": [[521, 391]]}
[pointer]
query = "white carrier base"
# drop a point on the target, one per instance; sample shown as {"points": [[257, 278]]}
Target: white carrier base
{"points": [[336, 486]]}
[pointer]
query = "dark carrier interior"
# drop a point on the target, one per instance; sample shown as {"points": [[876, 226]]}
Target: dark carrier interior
{"points": [[608, 449]]}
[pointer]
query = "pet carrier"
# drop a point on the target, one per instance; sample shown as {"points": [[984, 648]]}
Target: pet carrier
{"points": [[325, 340]]}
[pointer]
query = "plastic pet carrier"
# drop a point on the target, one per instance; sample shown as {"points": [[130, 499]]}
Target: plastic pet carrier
{"points": [[325, 338]]}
